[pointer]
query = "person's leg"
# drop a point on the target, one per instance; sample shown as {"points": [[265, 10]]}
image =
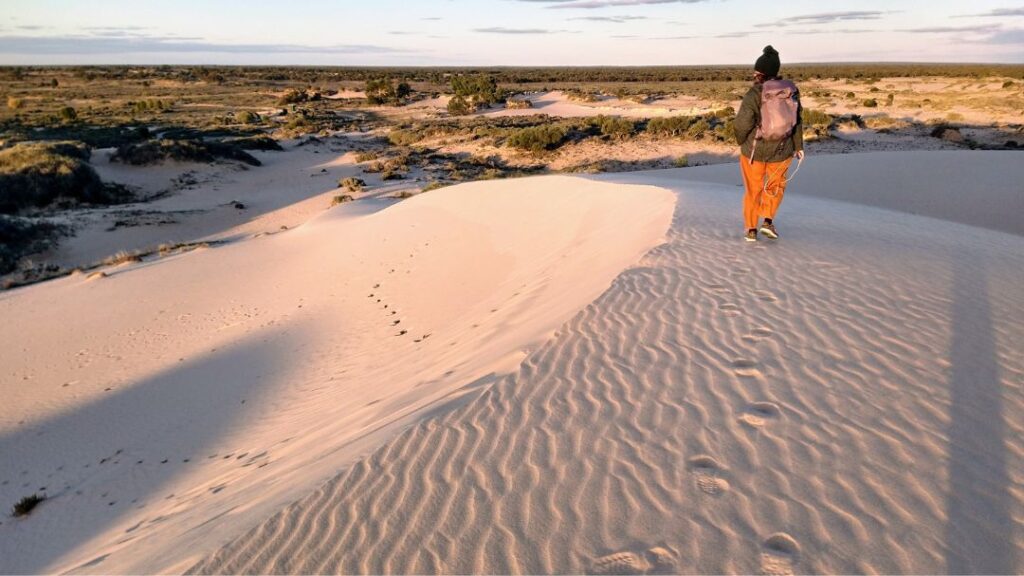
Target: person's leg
{"points": [[753, 181], [775, 189]]}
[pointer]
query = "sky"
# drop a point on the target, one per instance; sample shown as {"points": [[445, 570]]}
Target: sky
{"points": [[506, 32]]}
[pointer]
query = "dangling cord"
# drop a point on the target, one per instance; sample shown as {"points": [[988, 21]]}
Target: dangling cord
{"points": [[764, 189]]}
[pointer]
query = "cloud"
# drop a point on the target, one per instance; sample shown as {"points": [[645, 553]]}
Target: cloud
{"points": [[979, 29], [432, 18], [998, 12], [733, 35], [620, 36], [116, 44], [592, 4], [671, 37], [612, 19], [31, 27], [1012, 36], [829, 17], [831, 31], [503, 30]]}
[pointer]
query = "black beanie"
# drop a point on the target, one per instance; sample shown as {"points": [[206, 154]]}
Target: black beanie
{"points": [[768, 63]]}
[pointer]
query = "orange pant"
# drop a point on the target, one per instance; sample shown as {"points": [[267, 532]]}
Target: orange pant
{"points": [[765, 183]]}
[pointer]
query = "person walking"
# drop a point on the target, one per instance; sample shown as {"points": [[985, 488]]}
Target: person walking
{"points": [[770, 135]]}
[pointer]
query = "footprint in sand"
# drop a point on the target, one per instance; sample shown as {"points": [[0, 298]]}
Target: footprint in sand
{"points": [[779, 554], [758, 414], [765, 296], [657, 560], [708, 473], [745, 367], [758, 334]]}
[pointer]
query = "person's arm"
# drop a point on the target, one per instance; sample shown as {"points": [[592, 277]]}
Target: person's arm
{"points": [[746, 118]]}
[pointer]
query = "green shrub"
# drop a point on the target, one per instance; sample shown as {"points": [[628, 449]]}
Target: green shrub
{"points": [[870, 103], [403, 137], [383, 91], [341, 199], [366, 156], [247, 117], [811, 117], [153, 151], [851, 95], [35, 175], [698, 128], [681, 162], [391, 174], [458, 106], [1008, 84], [890, 99], [669, 125], [538, 138], [67, 114], [292, 96], [615, 127], [480, 90]]}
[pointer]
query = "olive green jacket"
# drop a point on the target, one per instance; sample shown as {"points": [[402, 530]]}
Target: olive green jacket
{"points": [[747, 120]]}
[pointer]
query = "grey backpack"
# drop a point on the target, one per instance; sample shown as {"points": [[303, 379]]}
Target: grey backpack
{"points": [[779, 109]]}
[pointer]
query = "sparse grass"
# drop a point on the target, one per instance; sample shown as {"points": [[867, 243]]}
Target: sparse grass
{"points": [[341, 199], [435, 185], [26, 505], [811, 117], [681, 162], [352, 184], [122, 257], [14, 103], [366, 156]]}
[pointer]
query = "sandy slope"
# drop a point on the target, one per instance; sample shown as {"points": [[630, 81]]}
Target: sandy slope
{"points": [[848, 399], [172, 404]]}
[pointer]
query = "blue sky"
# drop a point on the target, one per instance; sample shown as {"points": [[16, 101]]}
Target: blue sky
{"points": [[505, 32]]}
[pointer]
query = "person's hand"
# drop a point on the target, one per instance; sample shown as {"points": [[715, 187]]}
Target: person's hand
{"points": [[799, 155]]}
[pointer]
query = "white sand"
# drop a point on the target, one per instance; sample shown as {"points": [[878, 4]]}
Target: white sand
{"points": [[848, 399], [175, 403]]}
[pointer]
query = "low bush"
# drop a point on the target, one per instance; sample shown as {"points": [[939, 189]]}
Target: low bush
{"points": [[153, 151], [366, 156], [35, 175], [698, 129], [403, 137], [20, 237], [538, 138], [14, 103], [669, 125], [870, 103], [352, 184], [247, 117], [458, 106], [811, 117], [261, 142], [341, 199], [615, 127], [25, 506], [681, 162], [67, 114]]}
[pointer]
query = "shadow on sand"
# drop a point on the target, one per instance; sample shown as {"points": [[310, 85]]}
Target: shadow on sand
{"points": [[979, 530]]}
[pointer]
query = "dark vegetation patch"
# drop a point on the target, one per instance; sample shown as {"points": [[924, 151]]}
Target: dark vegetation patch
{"points": [[153, 151], [20, 237], [41, 174], [25, 506]]}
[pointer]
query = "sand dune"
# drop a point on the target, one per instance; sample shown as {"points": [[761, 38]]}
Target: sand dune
{"points": [[846, 400], [169, 405]]}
